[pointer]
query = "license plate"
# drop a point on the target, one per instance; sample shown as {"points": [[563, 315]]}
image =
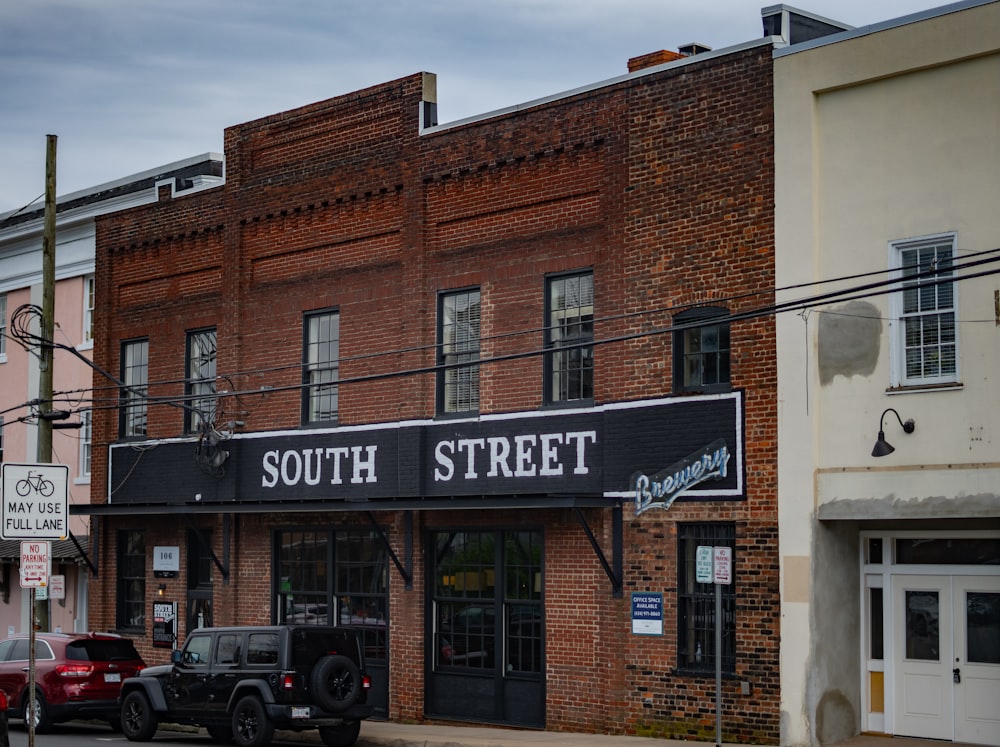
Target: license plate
{"points": [[112, 677], [300, 712]]}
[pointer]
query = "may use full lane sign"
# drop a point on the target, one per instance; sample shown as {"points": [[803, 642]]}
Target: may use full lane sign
{"points": [[34, 502]]}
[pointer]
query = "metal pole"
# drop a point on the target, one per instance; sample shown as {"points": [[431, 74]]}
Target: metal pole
{"points": [[718, 664]]}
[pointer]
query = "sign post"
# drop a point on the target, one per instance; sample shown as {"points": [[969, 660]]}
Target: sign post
{"points": [[715, 565], [34, 507]]}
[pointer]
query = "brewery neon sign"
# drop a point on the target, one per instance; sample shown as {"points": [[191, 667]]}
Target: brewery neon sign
{"points": [[663, 488]]}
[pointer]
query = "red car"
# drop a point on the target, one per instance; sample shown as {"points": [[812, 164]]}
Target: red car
{"points": [[76, 676]]}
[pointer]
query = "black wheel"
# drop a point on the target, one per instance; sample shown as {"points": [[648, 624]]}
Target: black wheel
{"points": [[336, 683], [138, 719], [221, 733], [43, 722], [251, 726], [340, 736]]}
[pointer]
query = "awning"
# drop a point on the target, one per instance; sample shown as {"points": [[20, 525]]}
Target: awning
{"points": [[63, 551]]}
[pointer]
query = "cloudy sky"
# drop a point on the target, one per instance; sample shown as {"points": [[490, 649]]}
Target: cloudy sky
{"points": [[130, 85]]}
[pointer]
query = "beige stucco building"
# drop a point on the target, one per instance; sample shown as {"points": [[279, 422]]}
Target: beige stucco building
{"points": [[888, 230]]}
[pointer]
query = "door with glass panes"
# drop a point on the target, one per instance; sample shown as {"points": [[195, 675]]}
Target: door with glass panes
{"points": [[946, 657], [486, 630], [327, 576]]}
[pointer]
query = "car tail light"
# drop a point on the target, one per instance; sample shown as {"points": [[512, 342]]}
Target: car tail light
{"points": [[288, 681], [74, 670], [366, 682], [3, 701]]}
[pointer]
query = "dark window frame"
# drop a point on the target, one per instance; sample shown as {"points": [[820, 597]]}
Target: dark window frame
{"points": [[568, 358], [133, 407], [696, 601], [130, 592], [460, 380], [695, 322], [200, 389], [313, 392]]}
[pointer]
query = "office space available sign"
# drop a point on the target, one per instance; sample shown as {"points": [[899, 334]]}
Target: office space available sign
{"points": [[647, 613], [35, 498]]}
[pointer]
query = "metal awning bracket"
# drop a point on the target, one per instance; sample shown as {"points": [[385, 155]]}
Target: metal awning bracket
{"points": [[405, 571], [227, 522], [614, 573]]}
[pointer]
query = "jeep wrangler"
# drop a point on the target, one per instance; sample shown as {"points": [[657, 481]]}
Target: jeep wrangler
{"points": [[242, 683]]}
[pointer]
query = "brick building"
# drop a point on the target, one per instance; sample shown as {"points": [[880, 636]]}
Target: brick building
{"points": [[444, 383]]}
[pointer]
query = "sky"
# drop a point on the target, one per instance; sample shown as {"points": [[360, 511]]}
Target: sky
{"points": [[131, 85]]}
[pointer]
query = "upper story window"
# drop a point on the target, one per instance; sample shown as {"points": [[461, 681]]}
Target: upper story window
{"points": [[321, 367], [88, 310], [3, 326], [458, 338], [925, 341], [199, 380], [135, 377], [85, 442], [701, 350], [569, 366]]}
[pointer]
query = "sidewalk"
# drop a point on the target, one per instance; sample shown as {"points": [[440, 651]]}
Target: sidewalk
{"points": [[389, 734]]}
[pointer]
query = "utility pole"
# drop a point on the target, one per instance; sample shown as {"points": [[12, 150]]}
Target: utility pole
{"points": [[45, 381]]}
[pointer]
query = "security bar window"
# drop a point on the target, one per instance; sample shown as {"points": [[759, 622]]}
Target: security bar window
{"points": [[135, 377], [926, 336], [199, 381], [696, 602], [569, 367], [321, 367], [458, 334], [701, 353]]}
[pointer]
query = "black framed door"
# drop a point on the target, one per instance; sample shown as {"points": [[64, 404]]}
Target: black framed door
{"points": [[486, 633]]}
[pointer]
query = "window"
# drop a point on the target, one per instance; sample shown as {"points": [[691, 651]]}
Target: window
{"points": [[701, 350], [925, 338], [135, 377], [696, 602], [321, 367], [569, 367], [88, 310], [131, 602], [3, 326], [199, 381], [458, 338], [85, 442]]}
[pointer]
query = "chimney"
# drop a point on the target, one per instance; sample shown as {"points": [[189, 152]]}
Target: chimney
{"points": [[652, 59], [692, 48]]}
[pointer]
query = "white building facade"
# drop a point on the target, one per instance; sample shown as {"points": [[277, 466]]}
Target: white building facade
{"points": [[887, 195]]}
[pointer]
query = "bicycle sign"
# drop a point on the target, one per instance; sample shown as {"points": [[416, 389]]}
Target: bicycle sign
{"points": [[34, 502]]}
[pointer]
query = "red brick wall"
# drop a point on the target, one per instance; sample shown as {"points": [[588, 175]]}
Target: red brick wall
{"points": [[662, 184]]}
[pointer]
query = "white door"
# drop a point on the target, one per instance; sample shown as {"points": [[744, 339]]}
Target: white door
{"points": [[946, 657]]}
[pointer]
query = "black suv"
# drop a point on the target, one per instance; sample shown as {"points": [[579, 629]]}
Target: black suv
{"points": [[241, 683]]}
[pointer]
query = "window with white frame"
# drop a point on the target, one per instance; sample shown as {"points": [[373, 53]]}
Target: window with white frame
{"points": [[569, 365], [85, 421], [458, 337], [926, 336], [88, 310], [321, 367], [199, 383], [135, 378], [3, 326]]}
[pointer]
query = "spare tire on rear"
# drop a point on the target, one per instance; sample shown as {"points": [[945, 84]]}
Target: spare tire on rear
{"points": [[335, 682]]}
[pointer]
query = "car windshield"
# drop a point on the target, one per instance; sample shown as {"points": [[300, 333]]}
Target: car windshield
{"points": [[101, 650]]}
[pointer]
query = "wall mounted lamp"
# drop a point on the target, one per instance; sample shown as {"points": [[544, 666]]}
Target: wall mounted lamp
{"points": [[883, 447], [160, 589]]}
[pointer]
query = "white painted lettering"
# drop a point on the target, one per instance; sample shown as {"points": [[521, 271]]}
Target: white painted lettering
{"points": [[551, 466], [523, 448], [469, 445], [291, 478], [270, 466], [444, 461], [499, 454], [581, 438], [366, 465]]}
